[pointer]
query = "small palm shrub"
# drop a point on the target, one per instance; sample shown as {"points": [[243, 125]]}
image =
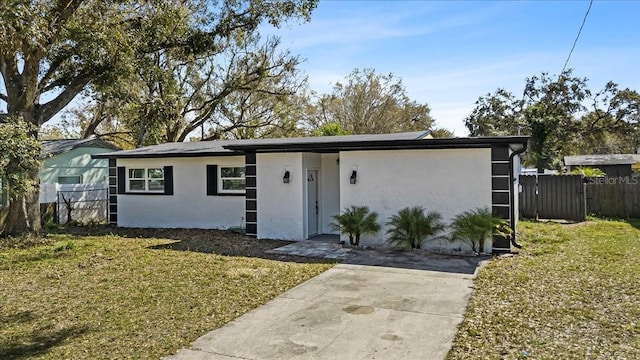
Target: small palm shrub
{"points": [[475, 226], [355, 221], [411, 227], [587, 172]]}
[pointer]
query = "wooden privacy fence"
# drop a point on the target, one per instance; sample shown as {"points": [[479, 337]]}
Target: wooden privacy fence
{"points": [[572, 197], [552, 197], [616, 197]]}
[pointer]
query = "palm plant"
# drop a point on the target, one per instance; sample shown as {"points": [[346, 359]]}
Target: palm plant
{"points": [[475, 226], [355, 221], [587, 172], [411, 227]]}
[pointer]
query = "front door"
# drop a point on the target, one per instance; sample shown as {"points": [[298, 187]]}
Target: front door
{"points": [[312, 202]]}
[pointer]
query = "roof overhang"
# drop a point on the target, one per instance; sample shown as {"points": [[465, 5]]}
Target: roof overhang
{"points": [[167, 155], [438, 143], [322, 146]]}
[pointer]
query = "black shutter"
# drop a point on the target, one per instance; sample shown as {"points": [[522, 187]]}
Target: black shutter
{"points": [[212, 179], [121, 178], [168, 180]]}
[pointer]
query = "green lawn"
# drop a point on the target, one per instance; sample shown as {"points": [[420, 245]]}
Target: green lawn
{"points": [[110, 296], [572, 293]]}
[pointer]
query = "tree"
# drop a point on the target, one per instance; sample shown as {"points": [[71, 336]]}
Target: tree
{"points": [[554, 112], [56, 49], [369, 103], [441, 133], [19, 160]]}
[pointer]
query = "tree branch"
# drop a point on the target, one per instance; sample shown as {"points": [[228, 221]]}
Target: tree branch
{"points": [[48, 110]]}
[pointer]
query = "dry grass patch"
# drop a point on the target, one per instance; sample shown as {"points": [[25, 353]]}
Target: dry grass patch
{"points": [[111, 296], [572, 293]]}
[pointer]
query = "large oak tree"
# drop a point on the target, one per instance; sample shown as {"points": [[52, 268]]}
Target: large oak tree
{"points": [[50, 51]]}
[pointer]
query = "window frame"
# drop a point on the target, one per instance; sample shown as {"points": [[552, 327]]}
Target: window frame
{"points": [[220, 179], [146, 178], [69, 176]]}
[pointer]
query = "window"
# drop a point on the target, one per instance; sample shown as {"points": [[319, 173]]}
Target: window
{"points": [[70, 179], [231, 179], [145, 179]]}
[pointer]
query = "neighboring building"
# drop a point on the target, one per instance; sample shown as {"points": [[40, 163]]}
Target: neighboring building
{"points": [[611, 164], [69, 161], [290, 188]]}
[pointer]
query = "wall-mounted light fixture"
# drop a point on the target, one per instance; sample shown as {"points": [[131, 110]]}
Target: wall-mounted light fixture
{"points": [[352, 178], [287, 177]]}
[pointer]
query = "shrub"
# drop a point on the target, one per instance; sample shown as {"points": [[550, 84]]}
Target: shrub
{"points": [[474, 226], [355, 221], [411, 227], [587, 172]]}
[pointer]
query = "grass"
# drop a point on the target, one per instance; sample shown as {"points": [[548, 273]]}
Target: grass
{"points": [[95, 295], [572, 293]]}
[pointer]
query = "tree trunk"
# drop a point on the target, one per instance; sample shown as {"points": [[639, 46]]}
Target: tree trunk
{"points": [[24, 211]]}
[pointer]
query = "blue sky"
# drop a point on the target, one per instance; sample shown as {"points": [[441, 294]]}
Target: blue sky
{"points": [[450, 53]]}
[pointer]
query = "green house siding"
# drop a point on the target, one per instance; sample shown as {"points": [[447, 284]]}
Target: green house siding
{"points": [[76, 162]]}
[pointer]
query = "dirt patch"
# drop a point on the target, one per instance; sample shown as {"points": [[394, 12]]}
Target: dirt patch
{"points": [[198, 240]]}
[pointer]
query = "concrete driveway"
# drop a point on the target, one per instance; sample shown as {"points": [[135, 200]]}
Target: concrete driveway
{"points": [[349, 312]]}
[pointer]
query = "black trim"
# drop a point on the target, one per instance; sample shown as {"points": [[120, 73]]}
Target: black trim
{"points": [[440, 143], [251, 193], [501, 211], [122, 179], [112, 164], [113, 181], [501, 242], [168, 180], [113, 199], [250, 158], [113, 208], [251, 199], [212, 183], [500, 169], [113, 218], [500, 183], [212, 180], [501, 144], [113, 156], [500, 153], [112, 170], [168, 183], [500, 198]]}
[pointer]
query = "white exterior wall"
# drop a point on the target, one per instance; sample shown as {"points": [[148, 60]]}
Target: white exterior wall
{"points": [[189, 206], [446, 180], [330, 192], [280, 206]]}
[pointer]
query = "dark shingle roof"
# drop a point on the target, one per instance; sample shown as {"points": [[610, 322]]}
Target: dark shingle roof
{"points": [[318, 144], [55, 147], [607, 159]]}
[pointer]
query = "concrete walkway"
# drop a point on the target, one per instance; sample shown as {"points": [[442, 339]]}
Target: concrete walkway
{"points": [[349, 312]]}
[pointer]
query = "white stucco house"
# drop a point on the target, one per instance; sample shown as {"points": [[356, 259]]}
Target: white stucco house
{"points": [[290, 188]]}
